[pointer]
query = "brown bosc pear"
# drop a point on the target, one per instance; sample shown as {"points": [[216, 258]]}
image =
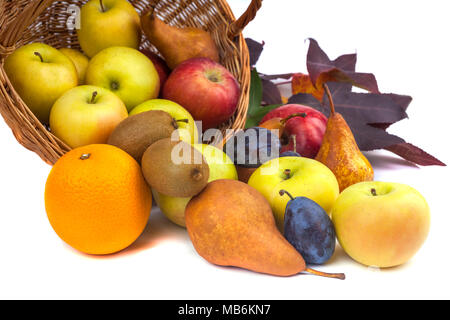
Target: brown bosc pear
{"points": [[178, 44], [340, 152], [231, 224]]}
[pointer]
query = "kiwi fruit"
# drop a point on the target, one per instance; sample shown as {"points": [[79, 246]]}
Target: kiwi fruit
{"points": [[175, 168], [136, 133]]}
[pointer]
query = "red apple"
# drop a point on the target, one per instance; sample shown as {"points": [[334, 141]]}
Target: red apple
{"points": [[205, 88], [160, 66], [308, 128]]}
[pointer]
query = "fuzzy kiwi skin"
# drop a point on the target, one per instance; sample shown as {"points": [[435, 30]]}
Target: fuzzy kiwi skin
{"points": [[136, 133], [169, 178]]}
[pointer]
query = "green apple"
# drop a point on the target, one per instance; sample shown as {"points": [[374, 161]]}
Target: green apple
{"points": [[126, 72], [86, 115], [220, 167], [381, 224], [79, 60], [187, 131], [40, 74], [301, 177], [108, 23]]}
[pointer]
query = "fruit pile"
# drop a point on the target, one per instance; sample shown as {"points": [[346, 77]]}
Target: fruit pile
{"points": [[274, 199]]}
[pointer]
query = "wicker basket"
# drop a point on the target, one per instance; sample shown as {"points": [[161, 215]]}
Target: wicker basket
{"points": [[24, 21]]}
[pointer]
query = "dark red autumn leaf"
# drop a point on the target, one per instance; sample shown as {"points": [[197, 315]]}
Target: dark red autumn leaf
{"points": [[368, 114], [255, 49], [414, 154], [271, 93], [302, 83], [370, 136], [346, 62], [402, 101], [322, 70], [367, 137], [368, 108]]}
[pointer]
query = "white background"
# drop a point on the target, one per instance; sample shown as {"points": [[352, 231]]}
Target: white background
{"points": [[405, 43]]}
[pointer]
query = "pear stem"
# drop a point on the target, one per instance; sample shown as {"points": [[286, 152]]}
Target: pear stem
{"points": [[330, 98], [339, 276], [94, 95], [283, 192], [101, 5], [294, 115], [39, 55]]}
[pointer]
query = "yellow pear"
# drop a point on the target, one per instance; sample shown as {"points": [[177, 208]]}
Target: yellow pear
{"points": [[341, 154]]}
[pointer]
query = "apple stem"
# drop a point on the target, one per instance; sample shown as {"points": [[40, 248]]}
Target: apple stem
{"points": [[287, 172], [283, 192], [94, 95], [339, 276], [330, 98], [101, 5], [294, 115], [175, 122], [39, 55], [374, 192], [85, 156]]}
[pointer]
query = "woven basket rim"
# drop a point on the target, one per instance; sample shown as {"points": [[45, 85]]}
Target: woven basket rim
{"points": [[33, 135]]}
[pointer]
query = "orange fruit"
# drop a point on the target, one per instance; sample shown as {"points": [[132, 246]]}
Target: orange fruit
{"points": [[97, 200]]}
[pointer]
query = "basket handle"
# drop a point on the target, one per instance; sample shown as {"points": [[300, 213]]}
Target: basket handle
{"points": [[237, 26], [13, 31]]}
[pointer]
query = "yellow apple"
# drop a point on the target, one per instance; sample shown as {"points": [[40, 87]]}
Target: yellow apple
{"points": [[187, 131], [301, 177], [220, 167], [79, 60], [40, 74], [86, 115], [381, 224], [108, 23], [126, 72]]}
